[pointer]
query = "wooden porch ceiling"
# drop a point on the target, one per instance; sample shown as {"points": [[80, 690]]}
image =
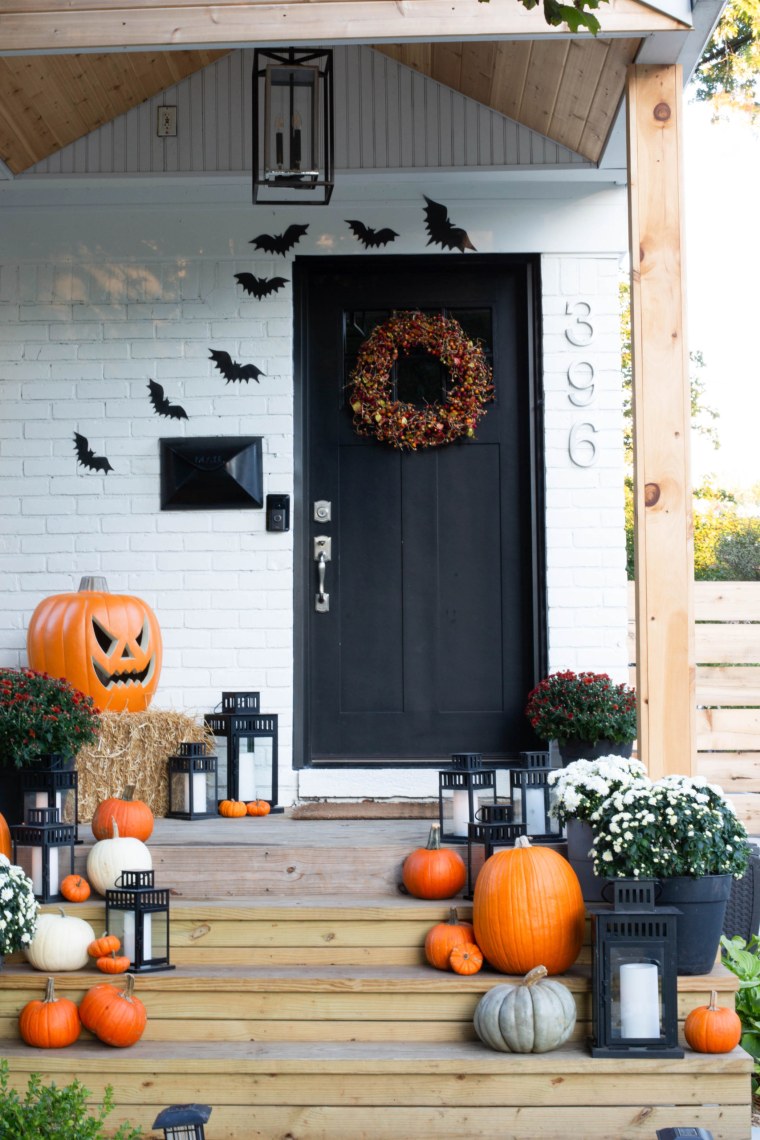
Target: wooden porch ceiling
{"points": [[567, 88]]}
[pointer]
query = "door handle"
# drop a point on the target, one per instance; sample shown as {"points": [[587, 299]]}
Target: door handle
{"points": [[322, 555]]}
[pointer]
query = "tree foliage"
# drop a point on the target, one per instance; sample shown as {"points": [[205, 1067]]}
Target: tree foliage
{"points": [[727, 74]]}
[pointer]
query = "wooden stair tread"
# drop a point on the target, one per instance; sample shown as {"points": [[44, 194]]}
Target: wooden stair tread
{"points": [[303, 907], [357, 1056]]}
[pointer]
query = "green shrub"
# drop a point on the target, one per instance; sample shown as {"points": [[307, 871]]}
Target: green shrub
{"points": [[742, 958], [47, 1112]]}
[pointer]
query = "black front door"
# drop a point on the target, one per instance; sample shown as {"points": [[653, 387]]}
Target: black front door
{"points": [[433, 636]]}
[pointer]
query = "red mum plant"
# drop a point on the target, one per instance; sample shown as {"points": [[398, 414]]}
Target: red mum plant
{"points": [[40, 716], [584, 706]]}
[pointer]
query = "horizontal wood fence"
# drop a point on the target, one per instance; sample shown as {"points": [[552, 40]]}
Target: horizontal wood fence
{"points": [[727, 639]]}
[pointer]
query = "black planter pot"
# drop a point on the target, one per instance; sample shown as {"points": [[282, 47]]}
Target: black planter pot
{"points": [[577, 749], [579, 839], [702, 903]]}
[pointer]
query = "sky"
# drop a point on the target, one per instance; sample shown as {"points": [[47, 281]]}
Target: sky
{"points": [[722, 191]]}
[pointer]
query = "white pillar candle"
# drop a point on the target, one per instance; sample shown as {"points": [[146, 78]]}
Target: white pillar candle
{"points": [[199, 791], [639, 1000], [461, 813], [37, 870], [246, 776], [41, 801], [534, 811]]}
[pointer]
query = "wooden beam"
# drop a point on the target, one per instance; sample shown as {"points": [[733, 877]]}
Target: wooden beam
{"points": [[76, 25], [663, 527]]}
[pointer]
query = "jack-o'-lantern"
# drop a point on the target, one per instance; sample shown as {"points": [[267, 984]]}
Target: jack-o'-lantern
{"points": [[106, 645]]}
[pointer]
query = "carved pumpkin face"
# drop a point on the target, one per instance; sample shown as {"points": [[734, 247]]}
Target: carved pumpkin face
{"points": [[106, 645]]}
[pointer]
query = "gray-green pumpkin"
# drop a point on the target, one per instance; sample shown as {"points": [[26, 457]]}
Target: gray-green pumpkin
{"points": [[533, 1016]]}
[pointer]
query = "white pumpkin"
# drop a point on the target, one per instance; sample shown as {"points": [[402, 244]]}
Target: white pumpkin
{"points": [[534, 1016], [60, 943], [109, 857]]}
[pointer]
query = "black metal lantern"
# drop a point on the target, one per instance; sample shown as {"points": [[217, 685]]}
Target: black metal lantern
{"points": [[137, 912], [183, 1121], [461, 785], [635, 984], [531, 797], [293, 129], [493, 827], [246, 745], [44, 848], [193, 782], [52, 788]]}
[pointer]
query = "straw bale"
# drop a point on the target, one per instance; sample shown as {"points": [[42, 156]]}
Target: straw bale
{"points": [[133, 748]]}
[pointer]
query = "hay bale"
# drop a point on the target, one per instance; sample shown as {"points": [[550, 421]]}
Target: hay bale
{"points": [[133, 748]]}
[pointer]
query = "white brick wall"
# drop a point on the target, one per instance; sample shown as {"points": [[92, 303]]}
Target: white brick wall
{"points": [[126, 296]]}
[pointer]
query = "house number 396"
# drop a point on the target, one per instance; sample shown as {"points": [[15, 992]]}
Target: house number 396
{"points": [[582, 389]]}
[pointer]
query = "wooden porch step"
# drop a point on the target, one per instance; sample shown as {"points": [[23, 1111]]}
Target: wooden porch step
{"points": [[393, 1091]]}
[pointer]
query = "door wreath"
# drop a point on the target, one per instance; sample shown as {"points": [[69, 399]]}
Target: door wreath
{"points": [[405, 425]]}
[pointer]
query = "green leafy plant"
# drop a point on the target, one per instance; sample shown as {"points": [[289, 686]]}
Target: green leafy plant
{"points": [[743, 959], [583, 706], [41, 715], [47, 1112]]}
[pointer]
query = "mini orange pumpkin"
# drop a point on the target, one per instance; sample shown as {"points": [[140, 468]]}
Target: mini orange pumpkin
{"points": [[133, 817], [108, 944], [75, 888], [106, 645], [113, 963], [52, 1023], [466, 958], [116, 1017], [434, 872], [232, 809], [6, 846], [258, 807], [441, 939], [712, 1028]]}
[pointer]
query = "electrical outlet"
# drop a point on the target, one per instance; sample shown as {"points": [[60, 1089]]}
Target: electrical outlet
{"points": [[166, 126]]}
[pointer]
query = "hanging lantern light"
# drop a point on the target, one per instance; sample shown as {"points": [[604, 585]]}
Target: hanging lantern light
{"points": [[292, 126]]}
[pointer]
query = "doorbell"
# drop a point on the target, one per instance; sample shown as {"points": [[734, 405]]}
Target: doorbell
{"points": [[278, 512]]}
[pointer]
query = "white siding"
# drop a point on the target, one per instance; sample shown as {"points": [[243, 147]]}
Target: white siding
{"points": [[443, 130]]}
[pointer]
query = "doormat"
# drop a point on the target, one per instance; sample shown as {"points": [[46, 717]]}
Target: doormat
{"points": [[366, 809]]}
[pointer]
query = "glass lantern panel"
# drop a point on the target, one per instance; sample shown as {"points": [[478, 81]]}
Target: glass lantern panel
{"points": [[247, 783], [290, 128], [222, 766], [635, 975], [30, 858], [182, 783], [264, 766]]}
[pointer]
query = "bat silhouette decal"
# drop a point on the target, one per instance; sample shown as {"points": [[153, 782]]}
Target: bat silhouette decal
{"points": [[260, 287], [162, 406], [368, 237], [87, 457], [230, 368], [279, 243], [440, 229]]}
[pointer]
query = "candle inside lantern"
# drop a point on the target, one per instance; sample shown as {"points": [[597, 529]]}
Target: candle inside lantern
{"points": [[37, 853], [246, 776], [278, 141], [41, 801], [199, 792], [295, 143], [130, 941], [639, 1000], [461, 813]]}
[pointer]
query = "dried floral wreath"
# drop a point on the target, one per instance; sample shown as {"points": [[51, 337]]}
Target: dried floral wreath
{"points": [[405, 425]]}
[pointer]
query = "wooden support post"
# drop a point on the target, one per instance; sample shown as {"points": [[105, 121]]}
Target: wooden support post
{"points": [[663, 528]]}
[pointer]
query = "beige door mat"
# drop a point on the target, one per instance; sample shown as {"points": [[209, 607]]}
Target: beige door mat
{"points": [[366, 809]]}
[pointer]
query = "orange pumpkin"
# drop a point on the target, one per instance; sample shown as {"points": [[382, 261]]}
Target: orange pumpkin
{"points": [[116, 1017], [75, 888], [712, 1028], [113, 963], [258, 807], [105, 645], [528, 910], [133, 817], [52, 1023], [232, 809], [466, 958], [434, 872], [105, 945], [6, 847], [441, 939]]}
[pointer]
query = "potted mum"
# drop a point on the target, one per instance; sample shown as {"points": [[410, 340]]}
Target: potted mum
{"points": [[576, 793], [44, 722], [684, 833], [18, 909], [586, 713]]}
